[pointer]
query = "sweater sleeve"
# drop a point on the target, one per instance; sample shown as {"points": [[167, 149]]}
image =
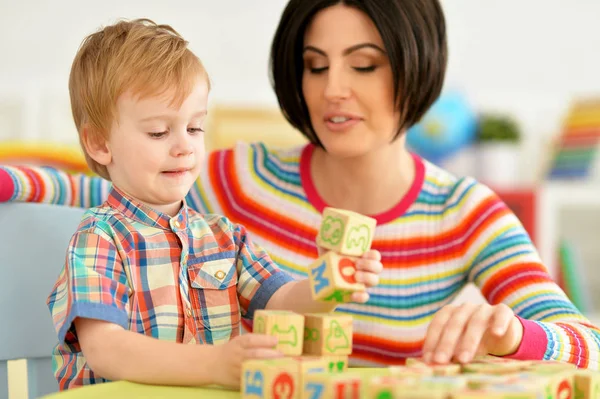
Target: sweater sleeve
{"points": [[51, 186], [54, 186], [504, 264]]}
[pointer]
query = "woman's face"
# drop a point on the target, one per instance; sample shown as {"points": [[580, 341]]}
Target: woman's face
{"points": [[347, 83]]}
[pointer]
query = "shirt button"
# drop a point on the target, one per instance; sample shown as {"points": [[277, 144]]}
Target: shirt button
{"points": [[185, 259], [220, 275], [177, 224], [188, 311]]}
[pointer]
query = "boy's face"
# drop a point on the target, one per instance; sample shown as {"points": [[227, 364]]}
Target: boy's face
{"points": [[155, 151]]}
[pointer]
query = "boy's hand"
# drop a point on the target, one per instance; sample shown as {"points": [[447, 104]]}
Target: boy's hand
{"points": [[231, 355], [368, 269], [460, 332]]}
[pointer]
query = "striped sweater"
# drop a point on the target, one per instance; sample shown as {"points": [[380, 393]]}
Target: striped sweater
{"points": [[444, 233]]}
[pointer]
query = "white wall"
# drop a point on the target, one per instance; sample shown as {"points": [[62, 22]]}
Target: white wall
{"points": [[529, 57]]}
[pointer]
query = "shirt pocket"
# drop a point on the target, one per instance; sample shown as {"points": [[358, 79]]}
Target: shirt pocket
{"points": [[214, 299]]}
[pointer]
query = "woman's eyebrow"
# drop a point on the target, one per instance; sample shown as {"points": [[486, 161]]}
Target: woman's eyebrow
{"points": [[347, 51]]}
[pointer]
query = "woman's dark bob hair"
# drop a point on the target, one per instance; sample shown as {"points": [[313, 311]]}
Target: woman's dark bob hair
{"points": [[414, 36]]}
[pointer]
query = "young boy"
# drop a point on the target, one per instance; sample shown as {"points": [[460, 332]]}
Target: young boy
{"points": [[145, 274]]}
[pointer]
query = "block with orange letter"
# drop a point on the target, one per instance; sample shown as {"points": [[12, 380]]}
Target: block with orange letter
{"points": [[346, 232], [287, 326], [587, 384], [332, 278], [270, 379], [327, 334]]}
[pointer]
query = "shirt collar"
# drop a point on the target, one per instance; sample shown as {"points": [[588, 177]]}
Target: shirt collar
{"points": [[135, 210]]}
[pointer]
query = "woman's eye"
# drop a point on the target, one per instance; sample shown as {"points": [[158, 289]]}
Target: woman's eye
{"points": [[156, 135], [365, 69], [318, 70], [195, 130]]}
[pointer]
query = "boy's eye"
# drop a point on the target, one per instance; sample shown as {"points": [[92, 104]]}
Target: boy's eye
{"points": [[195, 130], [156, 135]]}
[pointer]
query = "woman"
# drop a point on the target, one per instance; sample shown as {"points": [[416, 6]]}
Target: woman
{"points": [[353, 76]]}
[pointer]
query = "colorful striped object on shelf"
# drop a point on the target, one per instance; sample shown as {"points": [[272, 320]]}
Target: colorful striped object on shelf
{"points": [[576, 148], [570, 277]]}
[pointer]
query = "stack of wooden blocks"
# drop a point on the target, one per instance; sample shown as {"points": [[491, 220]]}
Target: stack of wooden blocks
{"points": [[316, 346]]}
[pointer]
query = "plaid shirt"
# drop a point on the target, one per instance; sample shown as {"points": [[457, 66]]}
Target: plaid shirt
{"points": [[188, 279]]}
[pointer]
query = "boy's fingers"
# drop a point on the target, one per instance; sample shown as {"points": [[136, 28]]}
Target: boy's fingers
{"points": [[258, 341], [262, 353]]}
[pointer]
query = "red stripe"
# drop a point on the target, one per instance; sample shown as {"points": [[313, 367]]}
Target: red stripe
{"points": [[244, 201], [527, 274]]}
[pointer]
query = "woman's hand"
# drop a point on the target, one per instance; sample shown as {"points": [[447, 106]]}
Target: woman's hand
{"points": [[458, 333]]}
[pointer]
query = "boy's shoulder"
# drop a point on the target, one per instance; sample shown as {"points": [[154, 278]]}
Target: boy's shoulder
{"points": [[98, 219]]}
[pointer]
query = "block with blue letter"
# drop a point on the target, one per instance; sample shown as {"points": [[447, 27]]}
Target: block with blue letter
{"points": [[332, 278], [287, 326], [332, 386], [346, 232], [270, 379]]}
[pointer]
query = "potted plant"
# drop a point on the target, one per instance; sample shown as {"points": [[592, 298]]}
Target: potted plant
{"points": [[498, 150]]}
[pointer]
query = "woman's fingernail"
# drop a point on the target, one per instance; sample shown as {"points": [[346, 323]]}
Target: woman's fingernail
{"points": [[427, 357], [464, 357], [440, 357]]}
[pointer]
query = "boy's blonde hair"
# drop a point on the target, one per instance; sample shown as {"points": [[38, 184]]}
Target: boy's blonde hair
{"points": [[138, 56]]}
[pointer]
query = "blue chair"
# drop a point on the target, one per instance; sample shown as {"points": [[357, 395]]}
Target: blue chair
{"points": [[33, 243]]}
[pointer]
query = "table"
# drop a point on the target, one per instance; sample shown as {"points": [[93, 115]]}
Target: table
{"points": [[127, 390]]}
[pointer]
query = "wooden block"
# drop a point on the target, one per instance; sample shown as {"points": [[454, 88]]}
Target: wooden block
{"points": [[327, 334], [445, 383], [481, 381], [549, 366], [332, 386], [288, 327], [587, 384], [308, 365], [497, 392], [492, 368], [421, 393], [561, 384], [336, 363], [553, 384], [332, 278], [346, 232], [382, 387], [438, 369], [408, 371], [270, 379]]}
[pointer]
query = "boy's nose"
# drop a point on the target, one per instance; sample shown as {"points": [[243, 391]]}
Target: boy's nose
{"points": [[182, 147]]}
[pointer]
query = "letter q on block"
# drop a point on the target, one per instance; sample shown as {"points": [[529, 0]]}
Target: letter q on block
{"points": [[346, 232], [333, 278]]}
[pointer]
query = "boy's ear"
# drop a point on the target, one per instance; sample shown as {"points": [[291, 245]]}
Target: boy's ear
{"points": [[96, 146]]}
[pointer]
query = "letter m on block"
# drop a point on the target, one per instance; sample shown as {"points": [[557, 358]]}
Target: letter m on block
{"points": [[318, 275]]}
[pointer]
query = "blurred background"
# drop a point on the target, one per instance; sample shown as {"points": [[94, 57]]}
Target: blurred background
{"points": [[520, 109]]}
